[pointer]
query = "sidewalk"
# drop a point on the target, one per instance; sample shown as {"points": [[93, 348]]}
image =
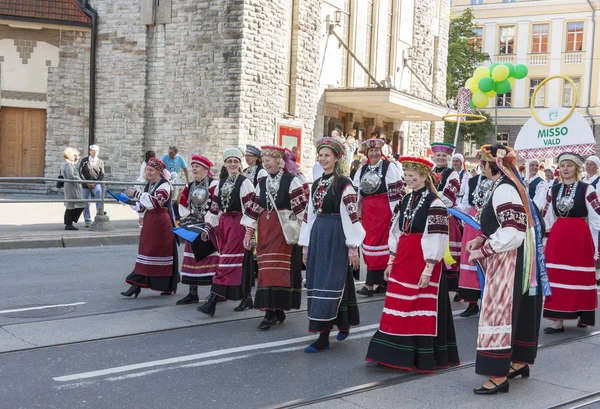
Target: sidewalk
{"points": [[39, 225], [560, 374]]}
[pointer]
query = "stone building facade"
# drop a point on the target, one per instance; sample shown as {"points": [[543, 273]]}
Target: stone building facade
{"points": [[206, 75]]}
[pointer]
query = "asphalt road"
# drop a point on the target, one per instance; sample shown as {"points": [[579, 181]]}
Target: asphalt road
{"points": [[226, 364]]}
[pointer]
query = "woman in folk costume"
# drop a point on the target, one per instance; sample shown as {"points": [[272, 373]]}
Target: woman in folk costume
{"points": [[380, 190], [416, 329], [231, 196], [156, 265], [458, 164], [330, 236], [279, 263], [255, 170], [571, 250], [477, 193], [592, 164], [447, 182], [511, 305], [194, 203]]}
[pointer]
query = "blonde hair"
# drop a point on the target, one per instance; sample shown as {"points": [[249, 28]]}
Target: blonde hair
{"points": [[69, 152]]}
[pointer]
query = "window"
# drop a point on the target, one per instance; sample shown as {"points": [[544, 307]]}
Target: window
{"points": [[568, 94], [539, 42], [476, 2], [575, 36], [502, 138], [345, 23], [388, 38], [368, 37], [507, 40], [504, 100], [477, 40], [540, 98], [287, 71]]}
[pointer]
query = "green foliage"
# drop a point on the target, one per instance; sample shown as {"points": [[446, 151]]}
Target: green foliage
{"points": [[463, 58]]}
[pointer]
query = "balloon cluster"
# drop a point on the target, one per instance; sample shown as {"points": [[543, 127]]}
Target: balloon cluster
{"points": [[497, 79]]}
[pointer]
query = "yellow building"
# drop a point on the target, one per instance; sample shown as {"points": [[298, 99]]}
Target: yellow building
{"points": [[551, 37]]}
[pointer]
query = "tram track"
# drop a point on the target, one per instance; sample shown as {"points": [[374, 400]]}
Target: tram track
{"points": [[404, 378]]}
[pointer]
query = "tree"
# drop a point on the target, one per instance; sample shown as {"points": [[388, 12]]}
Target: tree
{"points": [[463, 57]]}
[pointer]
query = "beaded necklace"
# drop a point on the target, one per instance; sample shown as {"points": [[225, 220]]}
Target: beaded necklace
{"points": [[410, 211], [227, 190], [565, 203], [272, 184], [251, 172], [481, 194], [320, 193]]}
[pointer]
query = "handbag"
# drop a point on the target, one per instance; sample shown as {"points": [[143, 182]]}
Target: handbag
{"points": [[290, 223], [60, 184]]}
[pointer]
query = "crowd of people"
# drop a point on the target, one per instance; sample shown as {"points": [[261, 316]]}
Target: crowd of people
{"points": [[426, 229]]}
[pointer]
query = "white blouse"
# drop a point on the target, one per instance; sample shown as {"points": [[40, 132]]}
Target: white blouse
{"points": [[246, 194]]}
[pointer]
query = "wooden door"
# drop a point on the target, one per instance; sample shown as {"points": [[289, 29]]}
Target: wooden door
{"points": [[22, 142]]}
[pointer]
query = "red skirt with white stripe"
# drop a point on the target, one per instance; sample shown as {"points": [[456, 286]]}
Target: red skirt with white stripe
{"points": [[155, 251], [376, 218], [408, 309], [198, 272], [231, 246], [571, 270]]}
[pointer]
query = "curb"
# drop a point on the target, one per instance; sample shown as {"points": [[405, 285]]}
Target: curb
{"points": [[69, 241]]}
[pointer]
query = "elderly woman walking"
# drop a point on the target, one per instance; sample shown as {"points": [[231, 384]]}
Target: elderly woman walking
{"points": [[73, 190]]}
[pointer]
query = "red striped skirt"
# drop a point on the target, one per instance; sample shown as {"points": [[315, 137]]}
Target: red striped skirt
{"points": [[376, 218]]}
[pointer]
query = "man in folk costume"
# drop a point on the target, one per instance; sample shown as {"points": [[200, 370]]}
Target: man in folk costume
{"points": [[380, 189], [194, 203], [514, 268], [592, 164], [536, 185], [447, 184], [458, 164], [156, 265]]}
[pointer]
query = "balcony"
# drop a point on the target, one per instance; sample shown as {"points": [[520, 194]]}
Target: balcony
{"points": [[538, 59], [504, 58], [570, 58]]}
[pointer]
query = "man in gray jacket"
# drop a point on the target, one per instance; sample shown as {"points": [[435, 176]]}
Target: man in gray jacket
{"points": [[91, 168]]}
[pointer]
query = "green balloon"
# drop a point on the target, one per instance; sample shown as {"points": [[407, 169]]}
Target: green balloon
{"points": [[521, 71], [511, 69], [502, 87], [494, 65], [486, 84]]}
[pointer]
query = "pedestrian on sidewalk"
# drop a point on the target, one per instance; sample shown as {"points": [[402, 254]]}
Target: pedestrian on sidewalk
{"points": [[416, 329], [509, 321], [142, 178], [174, 163], [194, 203], [156, 265], [92, 168], [232, 195], [279, 262], [73, 190], [330, 236]]}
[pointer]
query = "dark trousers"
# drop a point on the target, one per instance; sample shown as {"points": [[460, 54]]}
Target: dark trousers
{"points": [[72, 215]]}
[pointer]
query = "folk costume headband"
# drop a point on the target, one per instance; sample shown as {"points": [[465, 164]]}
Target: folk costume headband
{"points": [[156, 164], [444, 147], [573, 157], [336, 146], [371, 143], [419, 165], [253, 150], [273, 151], [232, 153]]}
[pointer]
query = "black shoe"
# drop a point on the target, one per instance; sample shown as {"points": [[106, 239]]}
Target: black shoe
{"points": [[524, 372], [580, 325], [209, 307], [503, 387], [380, 290], [365, 291], [188, 299], [168, 293], [245, 304], [280, 314], [456, 298], [472, 309], [268, 321], [550, 330], [134, 289], [70, 227]]}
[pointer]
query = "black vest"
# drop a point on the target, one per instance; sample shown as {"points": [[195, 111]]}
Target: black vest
{"points": [[419, 221], [473, 186], [579, 209], [383, 187], [446, 172], [533, 185], [333, 199], [488, 219], [282, 199], [235, 204]]}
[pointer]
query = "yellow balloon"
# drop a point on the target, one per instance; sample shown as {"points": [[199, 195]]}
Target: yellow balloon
{"points": [[475, 89], [480, 100], [470, 82], [481, 72], [500, 73], [512, 81], [491, 94]]}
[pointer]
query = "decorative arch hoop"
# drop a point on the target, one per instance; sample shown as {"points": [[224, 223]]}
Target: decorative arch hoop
{"points": [[575, 100], [478, 119]]}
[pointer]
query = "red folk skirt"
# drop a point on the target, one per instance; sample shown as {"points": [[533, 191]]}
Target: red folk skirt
{"points": [[376, 218], [231, 248], [273, 253], [571, 271], [408, 309], [469, 288], [155, 251], [198, 272]]}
